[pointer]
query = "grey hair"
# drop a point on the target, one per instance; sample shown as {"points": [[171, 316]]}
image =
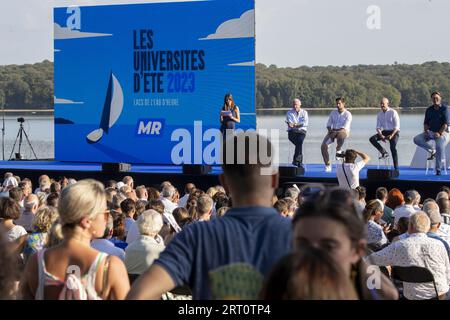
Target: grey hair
{"points": [[430, 206], [442, 194], [420, 222], [291, 193], [150, 222], [168, 191]]}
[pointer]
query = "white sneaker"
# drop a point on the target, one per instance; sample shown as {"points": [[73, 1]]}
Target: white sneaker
{"points": [[328, 168]]}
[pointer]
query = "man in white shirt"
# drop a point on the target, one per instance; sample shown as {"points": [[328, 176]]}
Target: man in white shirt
{"points": [[31, 205], [418, 250], [297, 121], [348, 172], [388, 127], [407, 209], [338, 127], [168, 195]]}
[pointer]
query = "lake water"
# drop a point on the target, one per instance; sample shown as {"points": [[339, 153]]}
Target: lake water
{"points": [[41, 133]]}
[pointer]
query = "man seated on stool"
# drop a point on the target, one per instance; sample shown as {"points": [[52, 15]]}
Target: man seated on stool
{"points": [[338, 127], [297, 121], [435, 126], [388, 127]]}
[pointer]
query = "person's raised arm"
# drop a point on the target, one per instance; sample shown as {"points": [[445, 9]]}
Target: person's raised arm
{"points": [[365, 157], [151, 285]]}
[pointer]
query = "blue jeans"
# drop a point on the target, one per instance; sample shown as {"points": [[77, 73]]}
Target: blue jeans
{"points": [[422, 140]]}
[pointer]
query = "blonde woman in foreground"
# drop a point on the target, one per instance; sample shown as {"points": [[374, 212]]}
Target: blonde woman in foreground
{"points": [[73, 270]]}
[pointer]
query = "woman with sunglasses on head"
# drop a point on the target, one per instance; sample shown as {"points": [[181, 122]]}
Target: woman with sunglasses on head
{"points": [[329, 221], [229, 114], [73, 270]]}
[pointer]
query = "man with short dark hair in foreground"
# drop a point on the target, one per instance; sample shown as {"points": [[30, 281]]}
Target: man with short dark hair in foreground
{"points": [[226, 258]]}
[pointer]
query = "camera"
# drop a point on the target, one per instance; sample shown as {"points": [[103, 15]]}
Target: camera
{"points": [[21, 120]]}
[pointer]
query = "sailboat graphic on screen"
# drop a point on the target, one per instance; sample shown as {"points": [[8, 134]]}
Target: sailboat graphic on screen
{"points": [[111, 110]]}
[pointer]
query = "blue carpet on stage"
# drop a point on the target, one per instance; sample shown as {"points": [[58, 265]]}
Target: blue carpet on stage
{"points": [[311, 170]]}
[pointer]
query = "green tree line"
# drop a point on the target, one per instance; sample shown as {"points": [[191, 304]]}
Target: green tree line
{"points": [[362, 86], [30, 86]]}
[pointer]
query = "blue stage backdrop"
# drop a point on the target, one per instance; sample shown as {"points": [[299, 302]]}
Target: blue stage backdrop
{"points": [[143, 83]]}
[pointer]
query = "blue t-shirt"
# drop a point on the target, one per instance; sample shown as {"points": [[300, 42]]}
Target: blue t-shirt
{"points": [[229, 257], [436, 118], [119, 243]]}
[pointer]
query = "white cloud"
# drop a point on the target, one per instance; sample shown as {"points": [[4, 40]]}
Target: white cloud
{"points": [[66, 33], [242, 27], [65, 101], [243, 64]]}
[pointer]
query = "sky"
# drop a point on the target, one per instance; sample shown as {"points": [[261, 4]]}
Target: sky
{"points": [[289, 33]]}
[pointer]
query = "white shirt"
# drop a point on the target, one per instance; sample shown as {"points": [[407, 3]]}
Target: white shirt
{"points": [[417, 250], [169, 206], [375, 234], [183, 201], [133, 233], [405, 210], [338, 120], [388, 120], [106, 246], [141, 253], [301, 117], [352, 171], [15, 233], [128, 223]]}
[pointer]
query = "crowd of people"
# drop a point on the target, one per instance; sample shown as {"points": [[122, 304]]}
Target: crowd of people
{"points": [[67, 239]]}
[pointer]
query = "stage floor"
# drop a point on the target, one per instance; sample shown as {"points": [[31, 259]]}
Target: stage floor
{"points": [[311, 170]]}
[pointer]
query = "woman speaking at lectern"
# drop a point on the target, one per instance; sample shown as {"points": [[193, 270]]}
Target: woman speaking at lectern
{"points": [[229, 114]]}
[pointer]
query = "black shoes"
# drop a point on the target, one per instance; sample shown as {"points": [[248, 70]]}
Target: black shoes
{"points": [[432, 155], [384, 155]]}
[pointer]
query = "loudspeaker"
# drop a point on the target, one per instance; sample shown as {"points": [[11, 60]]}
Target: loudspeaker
{"points": [[196, 169], [116, 167], [291, 171], [382, 174]]}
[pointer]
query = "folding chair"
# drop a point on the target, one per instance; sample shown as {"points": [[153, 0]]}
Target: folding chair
{"points": [[414, 274]]}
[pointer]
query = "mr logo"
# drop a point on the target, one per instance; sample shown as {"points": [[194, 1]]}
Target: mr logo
{"points": [[149, 127]]}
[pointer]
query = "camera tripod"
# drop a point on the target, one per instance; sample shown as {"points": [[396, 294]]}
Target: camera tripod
{"points": [[20, 138]]}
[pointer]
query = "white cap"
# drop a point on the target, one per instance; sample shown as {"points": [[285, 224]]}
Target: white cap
{"points": [[119, 185], [11, 181]]}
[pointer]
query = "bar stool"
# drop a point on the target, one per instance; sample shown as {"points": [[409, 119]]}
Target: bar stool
{"points": [[384, 162]]}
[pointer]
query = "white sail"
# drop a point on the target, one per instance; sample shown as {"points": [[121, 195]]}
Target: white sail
{"points": [[116, 102], [115, 110]]}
